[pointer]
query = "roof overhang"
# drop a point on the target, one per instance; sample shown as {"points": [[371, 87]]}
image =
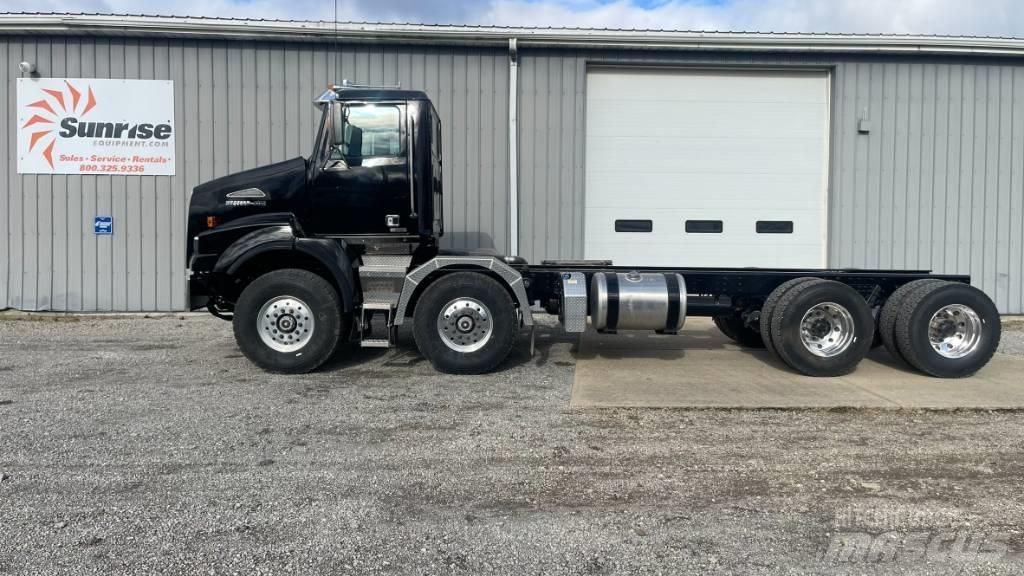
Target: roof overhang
{"points": [[305, 31]]}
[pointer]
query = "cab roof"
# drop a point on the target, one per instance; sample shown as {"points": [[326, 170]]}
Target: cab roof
{"points": [[380, 94]]}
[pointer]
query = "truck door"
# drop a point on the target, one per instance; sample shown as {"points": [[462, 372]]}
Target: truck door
{"points": [[363, 186]]}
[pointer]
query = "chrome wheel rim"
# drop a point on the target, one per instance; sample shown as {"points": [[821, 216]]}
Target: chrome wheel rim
{"points": [[955, 331], [285, 324], [827, 329], [464, 325]]}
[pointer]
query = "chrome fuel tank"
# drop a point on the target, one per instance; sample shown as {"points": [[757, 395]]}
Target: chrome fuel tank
{"points": [[635, 301]]}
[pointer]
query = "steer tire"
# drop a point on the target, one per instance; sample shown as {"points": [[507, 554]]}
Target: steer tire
{"points": [[322, 305], [788, 327], [914, 329], [891, 308], [493, 305], [732, 325], [769, 308]]}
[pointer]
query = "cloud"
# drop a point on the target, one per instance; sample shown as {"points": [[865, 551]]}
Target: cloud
{"points": [[958, 17], [980, 17]]}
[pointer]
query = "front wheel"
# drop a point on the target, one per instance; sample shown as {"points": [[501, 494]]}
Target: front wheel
{"points": [[289, 321], [465, 323]]}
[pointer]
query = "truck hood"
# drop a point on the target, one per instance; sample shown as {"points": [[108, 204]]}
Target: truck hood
{"points": [[273, 188]]}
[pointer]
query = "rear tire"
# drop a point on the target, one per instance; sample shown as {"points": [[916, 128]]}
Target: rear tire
{"points": [[891, 308], [289, 321], [948, 330], [735, 329], [769, 308], [724, 327], [822, 328], [465, 323]]}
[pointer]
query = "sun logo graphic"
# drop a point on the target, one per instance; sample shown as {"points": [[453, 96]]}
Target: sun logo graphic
{"points": [[47, 112]]}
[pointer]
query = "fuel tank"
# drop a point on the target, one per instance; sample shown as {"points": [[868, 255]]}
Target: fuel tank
{"points": [[638, 301]]}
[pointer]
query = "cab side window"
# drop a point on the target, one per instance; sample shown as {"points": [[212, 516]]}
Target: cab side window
{"points": [[371, 131]]}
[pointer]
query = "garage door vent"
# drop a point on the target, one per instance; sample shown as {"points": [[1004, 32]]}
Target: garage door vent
{"points": [[703, 226], [633, 226], [775, 227]]}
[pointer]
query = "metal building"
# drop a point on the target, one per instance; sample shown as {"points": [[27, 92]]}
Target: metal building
{"points": [[866, 151]]}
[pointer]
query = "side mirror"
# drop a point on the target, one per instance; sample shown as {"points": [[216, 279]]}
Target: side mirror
{"points": [[338, 115]]}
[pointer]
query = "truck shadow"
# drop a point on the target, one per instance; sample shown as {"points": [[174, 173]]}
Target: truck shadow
{"points": [[581, 347], [405, 352], [350, 355], [882, 356], [699, 336]]}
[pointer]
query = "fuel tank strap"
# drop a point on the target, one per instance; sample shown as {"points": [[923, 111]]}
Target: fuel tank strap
{"points": [[612, 323], [672, 318]]}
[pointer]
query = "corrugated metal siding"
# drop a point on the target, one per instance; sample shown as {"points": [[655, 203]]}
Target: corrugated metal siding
{"points": [[937, 184], [237, 105]]}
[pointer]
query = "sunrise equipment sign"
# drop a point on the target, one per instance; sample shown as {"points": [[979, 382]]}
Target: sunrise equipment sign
{"points": [[96, 126]]}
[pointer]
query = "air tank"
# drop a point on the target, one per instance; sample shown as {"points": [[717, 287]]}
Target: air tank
{"points": [[638, 301]]}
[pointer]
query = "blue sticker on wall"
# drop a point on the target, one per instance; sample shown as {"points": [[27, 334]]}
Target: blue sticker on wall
{"points": [[103, 225]]}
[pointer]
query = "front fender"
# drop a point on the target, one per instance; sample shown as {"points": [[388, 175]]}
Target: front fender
{"points": [[252, 245], [331, 255], [217, 240]]}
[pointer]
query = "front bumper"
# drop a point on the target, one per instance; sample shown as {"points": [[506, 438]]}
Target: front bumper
{"points": [[200, 280]]}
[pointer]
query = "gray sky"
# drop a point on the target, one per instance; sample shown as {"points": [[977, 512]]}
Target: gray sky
{"points": [[961, 17]]}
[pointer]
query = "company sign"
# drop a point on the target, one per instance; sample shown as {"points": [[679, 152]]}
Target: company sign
{"points": [[95, 126]]}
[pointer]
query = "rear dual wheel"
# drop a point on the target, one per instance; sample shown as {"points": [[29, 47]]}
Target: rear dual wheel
{"points": [[818, 327], [769, 308], [946, 329], [825, 328], [890, 310]]}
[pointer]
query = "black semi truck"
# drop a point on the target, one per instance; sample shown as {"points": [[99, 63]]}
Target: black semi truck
{"points": [[310, 253]]}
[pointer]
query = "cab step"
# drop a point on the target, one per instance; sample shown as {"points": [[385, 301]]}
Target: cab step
{"points": [[368, 336]]}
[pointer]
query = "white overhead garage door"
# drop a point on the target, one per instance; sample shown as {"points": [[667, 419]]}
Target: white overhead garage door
{"points": [[707, 168]]}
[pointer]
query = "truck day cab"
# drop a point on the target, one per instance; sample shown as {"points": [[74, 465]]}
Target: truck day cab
{"points": [[308, 253]]}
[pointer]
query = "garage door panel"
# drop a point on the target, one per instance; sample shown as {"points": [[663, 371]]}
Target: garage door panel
{"points": [[708, 120], [653, 85], [735, 147], [672, 190], [689, 156]]}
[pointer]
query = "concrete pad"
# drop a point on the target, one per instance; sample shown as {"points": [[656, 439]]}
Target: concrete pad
{"points": [[702, 368]]}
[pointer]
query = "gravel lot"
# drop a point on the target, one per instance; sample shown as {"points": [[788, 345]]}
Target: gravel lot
{"points": [[140, 445]]}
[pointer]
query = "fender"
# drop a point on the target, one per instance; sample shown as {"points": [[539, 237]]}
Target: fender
{"points": [[512, 279], [259, 241], [217, 240], [331, 254]]}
